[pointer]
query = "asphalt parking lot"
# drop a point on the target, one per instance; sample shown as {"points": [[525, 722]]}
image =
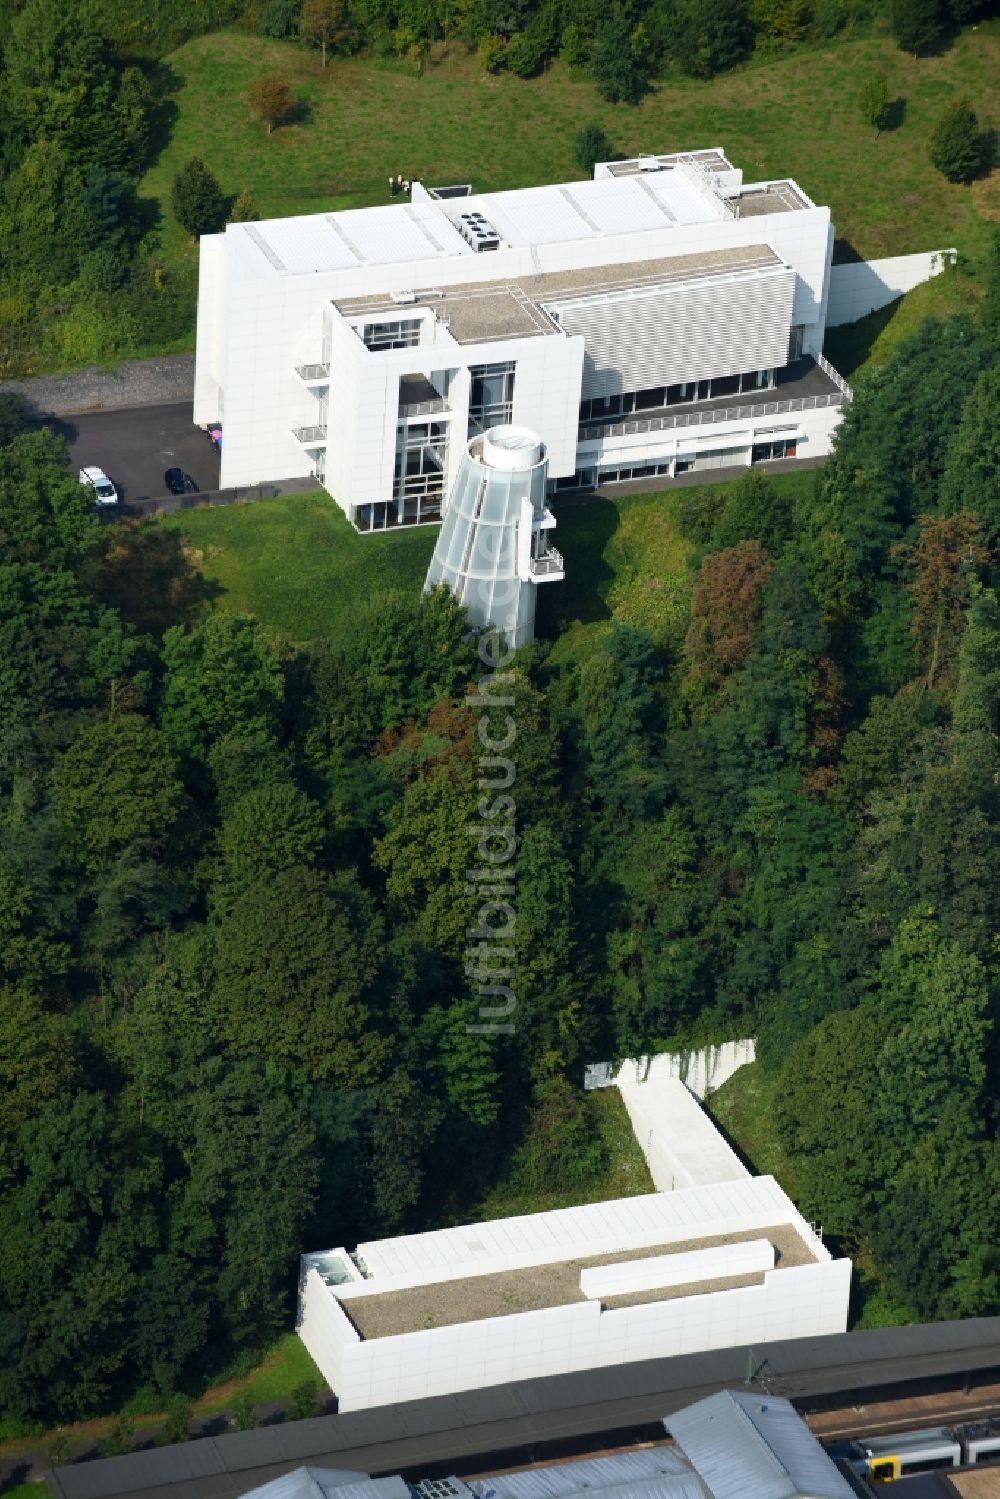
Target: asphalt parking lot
{"points": [[135, 446]]}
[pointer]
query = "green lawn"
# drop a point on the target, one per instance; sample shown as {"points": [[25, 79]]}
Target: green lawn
{"points": [[795, 116], [286, 1366], [295, 562]]}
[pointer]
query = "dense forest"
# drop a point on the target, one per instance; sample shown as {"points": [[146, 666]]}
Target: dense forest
{"points": [[239, 1016]]}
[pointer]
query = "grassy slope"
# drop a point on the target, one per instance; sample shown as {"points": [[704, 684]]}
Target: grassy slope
{"points": [[628, 1174], [296, 563], [795, 116]]}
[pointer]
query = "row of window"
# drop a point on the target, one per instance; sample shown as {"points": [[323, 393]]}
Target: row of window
{"points": [[402, 333], [628, 403], [761, 452]]}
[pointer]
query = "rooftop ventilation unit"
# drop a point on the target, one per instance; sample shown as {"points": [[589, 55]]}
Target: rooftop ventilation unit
{"points": [[478, 232], [649, 164], [404, 298]]}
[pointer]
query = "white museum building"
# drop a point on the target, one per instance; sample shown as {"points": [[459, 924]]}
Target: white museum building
{"points": [[664, 317], [721, 1260]]}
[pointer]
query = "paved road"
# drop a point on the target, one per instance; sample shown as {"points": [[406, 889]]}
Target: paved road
{"points": [[135, 447]]}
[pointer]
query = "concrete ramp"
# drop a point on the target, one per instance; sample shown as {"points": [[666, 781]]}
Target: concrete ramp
{"points": [[682, 1146]]}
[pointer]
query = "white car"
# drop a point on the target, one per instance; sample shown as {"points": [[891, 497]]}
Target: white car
{"points": [[102, 486]]}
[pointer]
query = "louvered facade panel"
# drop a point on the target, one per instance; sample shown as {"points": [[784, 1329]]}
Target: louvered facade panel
{"points": [[681, 333]]}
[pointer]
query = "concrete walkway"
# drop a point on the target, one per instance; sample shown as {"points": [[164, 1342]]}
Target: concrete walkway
{"points": [[137, 382]]}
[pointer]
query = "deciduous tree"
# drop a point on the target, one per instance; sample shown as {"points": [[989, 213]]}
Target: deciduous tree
{"points": [[323, 23], [945, 558], [271, 99]]}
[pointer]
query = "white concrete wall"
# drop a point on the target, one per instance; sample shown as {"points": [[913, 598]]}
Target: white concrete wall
{"points": [[864, 287], [803, 1301], [210, 353], [629, 1277], [702, 1071]]}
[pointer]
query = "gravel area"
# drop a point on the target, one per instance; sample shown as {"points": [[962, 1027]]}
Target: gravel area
{"points": [[542, 1286], [139, 382]]}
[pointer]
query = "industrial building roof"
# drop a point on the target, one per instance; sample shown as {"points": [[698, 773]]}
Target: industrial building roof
{"points": [[331, 1483], [487, 310], [742, 1444], [649, 1473]]}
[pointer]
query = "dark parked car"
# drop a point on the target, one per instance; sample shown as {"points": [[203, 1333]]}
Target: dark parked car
{"points": [[178, 482]]}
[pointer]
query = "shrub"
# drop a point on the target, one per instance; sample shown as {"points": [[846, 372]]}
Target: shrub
{"points": [[873, 101], [829, 17], [303, 1402], [526, 53], [244, 209], [620, 72], [176, 1428], [574, 48], [591, 145], [119, 1438], [956, 147], [785, 20], [492, 53], [244, 1412]]}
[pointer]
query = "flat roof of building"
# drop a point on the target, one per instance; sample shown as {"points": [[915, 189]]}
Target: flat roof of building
{"points": [[541, 1287], [483, 311], [712, 159], [650, 193], [598, 1228]]}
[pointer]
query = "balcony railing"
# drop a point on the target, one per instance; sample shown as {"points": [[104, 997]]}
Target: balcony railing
{"points": [[313, 374], [717, 414], [548, 567], [310, 437], [836, 377], [422, 408]]}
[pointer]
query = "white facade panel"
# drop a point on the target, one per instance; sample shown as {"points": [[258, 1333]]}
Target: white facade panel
{"points": [[679, 333], [804, 1301]]}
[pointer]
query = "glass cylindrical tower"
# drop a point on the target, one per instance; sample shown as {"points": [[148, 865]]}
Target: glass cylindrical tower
{"points": [[493, 548]]}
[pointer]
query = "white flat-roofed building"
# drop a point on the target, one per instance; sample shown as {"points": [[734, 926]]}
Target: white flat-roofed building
{"points": [[661, 318], [714, 1265]]}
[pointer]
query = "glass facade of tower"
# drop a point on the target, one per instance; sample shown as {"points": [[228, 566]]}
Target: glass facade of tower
{"points": [[493, 547]]}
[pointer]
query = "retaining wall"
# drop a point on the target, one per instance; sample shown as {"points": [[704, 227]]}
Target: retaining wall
{"points": [[865, 286]]}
